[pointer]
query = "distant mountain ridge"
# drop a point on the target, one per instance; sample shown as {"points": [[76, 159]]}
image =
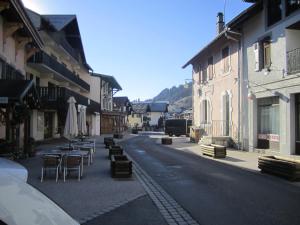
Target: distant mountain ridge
{"points": [[179, 98]]}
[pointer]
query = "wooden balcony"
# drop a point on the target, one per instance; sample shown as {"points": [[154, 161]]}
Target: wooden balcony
{"points": [[9, 73], [56, 98], [50, 65]]}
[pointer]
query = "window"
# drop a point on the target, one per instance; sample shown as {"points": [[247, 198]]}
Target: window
{"points": [[205, 115], [225, 59], [262, 54], [210, 62], [204, 75], [291, 6], [268, 116], [266, 53], [274, 9]]}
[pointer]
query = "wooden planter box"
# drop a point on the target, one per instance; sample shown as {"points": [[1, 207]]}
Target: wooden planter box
{"points": [[120, 166], [115, 150], [216, 151], [109, 141], [166, 141], [118, 136], [281, 166], [134, 131]]}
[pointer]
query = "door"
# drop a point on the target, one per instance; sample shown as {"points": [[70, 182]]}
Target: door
{"points": [[48, 128], [297, 118]]}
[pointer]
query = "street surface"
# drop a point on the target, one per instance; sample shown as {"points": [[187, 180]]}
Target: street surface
{"points": [[214, 193]]}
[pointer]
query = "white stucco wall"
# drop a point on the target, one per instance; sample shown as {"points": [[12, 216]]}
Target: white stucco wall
{"points": [[263, 83]]}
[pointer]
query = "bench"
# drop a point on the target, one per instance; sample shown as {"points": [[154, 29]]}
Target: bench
{"points": [[216, 151], [281, 166], [120, 166]]}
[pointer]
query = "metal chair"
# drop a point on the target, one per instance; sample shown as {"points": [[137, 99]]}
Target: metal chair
{"points": [[72, 162], [51, 162]]}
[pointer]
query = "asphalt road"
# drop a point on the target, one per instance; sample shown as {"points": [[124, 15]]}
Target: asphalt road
{"points": [[215, 193]]}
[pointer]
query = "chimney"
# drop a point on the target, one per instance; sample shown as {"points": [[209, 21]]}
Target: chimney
{"points": [[220, 23]]}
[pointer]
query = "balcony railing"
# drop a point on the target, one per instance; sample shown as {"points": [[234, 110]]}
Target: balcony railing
{"points": [[219, 128], [9, 73], [43, 58], [57, 97], [293, 61]]}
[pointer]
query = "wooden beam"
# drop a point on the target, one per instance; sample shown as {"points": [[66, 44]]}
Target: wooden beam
{"points": [[4, 5], [31, 52], [22, 41], [11, 28]]}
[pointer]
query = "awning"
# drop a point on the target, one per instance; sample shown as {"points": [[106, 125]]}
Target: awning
{"points": [[21, 91]]}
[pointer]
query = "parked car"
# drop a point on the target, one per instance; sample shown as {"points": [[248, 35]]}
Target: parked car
{"points": [[177, 127], [22, 204]]}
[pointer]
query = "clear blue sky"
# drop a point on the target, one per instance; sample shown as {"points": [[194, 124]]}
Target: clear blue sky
{"points": [[143, 43]]}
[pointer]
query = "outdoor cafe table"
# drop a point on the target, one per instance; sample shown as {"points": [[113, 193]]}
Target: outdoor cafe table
{"points": [[63, 153]]}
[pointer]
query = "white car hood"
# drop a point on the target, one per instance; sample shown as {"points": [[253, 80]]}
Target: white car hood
{"points": [[13, 168], [21, 204]]}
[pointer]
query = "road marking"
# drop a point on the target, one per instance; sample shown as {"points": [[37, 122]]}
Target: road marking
{"points": [[168, 207]]}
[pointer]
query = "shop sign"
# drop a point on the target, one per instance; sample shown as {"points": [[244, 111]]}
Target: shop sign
{"points": [[269, 137]]}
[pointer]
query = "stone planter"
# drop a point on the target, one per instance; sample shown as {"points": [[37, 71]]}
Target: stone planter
{"points": [[120, 166], [166, 141], [281, 166], [109, 141], [115, 150], [216, 151]]}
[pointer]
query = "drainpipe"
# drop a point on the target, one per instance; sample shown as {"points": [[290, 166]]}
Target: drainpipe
{"points": [[100, 104], [228, 32]]}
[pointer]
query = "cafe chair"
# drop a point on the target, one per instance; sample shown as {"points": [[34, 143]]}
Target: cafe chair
{"points": [[51, 162]]}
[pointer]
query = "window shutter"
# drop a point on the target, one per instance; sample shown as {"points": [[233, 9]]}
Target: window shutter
{"points": [[256, 56]]}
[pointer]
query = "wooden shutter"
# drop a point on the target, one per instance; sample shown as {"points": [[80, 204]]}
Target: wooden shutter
{"points": [[256, 56]]}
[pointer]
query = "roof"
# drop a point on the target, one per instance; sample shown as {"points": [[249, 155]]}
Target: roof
{"points": [[59, 21], [64, 30], [158, 107], [110, 79], [23, 16], [140, 108], [254, 8], [121, 101]]}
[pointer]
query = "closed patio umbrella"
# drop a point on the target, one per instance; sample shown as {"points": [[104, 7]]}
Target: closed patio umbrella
{"points": [[82, 120], [71, 126]]}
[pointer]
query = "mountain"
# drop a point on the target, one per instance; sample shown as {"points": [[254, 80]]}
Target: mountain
{"points": [[180, 97]]}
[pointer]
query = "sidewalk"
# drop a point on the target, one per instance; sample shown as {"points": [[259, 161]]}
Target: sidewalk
{"points": [[243, 159], [96, 194]]}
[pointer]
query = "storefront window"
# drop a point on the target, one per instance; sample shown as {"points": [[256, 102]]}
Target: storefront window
{"points": [[268, 115]]}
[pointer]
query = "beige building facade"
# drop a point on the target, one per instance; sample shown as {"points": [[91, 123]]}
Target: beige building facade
{"points": [[216, 103]]}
